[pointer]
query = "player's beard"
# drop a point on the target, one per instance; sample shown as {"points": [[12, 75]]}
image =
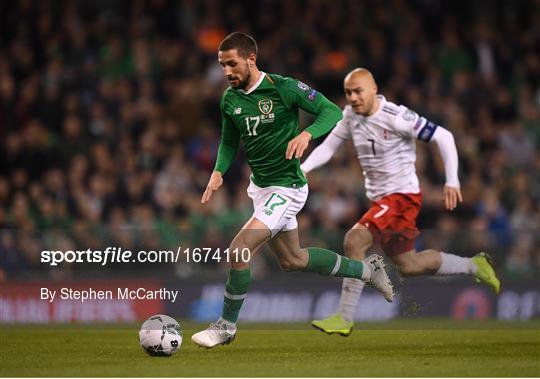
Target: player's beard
{"points": [[242, 84]]}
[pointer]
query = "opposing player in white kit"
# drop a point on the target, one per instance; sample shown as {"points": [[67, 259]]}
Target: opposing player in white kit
{"points": [[384, 136]]}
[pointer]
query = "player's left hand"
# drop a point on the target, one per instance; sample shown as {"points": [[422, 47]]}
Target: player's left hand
{"points": [[451, 197], [298, 145]]}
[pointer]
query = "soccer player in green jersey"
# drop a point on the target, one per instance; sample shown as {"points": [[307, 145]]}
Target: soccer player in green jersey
{"points": [[262, 110]]}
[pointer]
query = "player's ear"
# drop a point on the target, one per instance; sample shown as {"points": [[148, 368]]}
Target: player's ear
{"points": [[252, 59]]}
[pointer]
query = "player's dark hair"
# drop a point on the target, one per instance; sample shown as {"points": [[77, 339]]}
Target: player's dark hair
{"points": [[244, 43]]}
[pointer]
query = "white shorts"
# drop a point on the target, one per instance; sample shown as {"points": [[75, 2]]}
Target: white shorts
{"points": [[276, 207]]}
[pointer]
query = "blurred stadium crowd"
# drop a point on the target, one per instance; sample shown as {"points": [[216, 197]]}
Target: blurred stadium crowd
{"points": [[109, 119]]}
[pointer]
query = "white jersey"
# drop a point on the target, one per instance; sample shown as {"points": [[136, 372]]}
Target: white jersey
{"points": [[385, 145]]}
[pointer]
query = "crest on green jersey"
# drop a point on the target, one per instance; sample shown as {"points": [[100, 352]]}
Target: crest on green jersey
{"points": [[302, 86], [265, 106]]}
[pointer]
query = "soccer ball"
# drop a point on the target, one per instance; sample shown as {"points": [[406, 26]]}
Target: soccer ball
{"points": [[160, 336]]}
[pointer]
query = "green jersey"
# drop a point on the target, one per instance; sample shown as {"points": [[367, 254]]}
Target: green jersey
{"points": [[265, 118]]}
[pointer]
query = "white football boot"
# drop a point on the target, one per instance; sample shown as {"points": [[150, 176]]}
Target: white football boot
{"points": [[217, 333], [379, 279]]}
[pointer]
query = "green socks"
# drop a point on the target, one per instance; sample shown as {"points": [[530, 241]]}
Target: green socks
{"points": [[235, 293], [326, 262], [321, 261]]}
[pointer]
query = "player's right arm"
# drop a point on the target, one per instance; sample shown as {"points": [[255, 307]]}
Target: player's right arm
{"points": [[326, 150], [228, 147]]}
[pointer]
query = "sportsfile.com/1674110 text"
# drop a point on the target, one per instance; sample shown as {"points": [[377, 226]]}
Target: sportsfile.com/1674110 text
{"points": [[119, 255]]}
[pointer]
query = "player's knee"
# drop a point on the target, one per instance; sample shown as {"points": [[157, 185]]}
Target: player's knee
{"points": [[239, 243], [290, 263], [356, 242], [287, 265], [238, 260]]}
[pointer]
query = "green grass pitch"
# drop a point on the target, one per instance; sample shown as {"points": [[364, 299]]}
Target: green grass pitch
{"points": [[397, 348]]}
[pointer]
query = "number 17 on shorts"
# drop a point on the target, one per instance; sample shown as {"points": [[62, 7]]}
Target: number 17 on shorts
{"points": [[272, 210]]}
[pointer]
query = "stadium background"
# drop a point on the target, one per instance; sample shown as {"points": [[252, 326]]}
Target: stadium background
{"points": [[109, 127]]}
